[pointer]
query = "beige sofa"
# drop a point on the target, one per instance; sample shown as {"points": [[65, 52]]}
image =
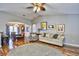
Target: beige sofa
{"points": [[52, 39]]}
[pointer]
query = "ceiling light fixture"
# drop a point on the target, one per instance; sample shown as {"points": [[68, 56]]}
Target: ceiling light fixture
{"points": [[38, 7]]}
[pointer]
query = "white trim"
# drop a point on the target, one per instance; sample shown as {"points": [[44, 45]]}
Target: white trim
{"points": [[72, 45]]}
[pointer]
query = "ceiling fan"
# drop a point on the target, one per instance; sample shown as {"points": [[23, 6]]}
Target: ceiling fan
{"points": [[37, 7]]}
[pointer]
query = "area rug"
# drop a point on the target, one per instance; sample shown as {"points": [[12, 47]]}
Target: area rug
{"points": [[35, 49]]}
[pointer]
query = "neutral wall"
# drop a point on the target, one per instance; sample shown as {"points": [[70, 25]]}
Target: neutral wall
{"points": [[71, 26], [6, 17]]}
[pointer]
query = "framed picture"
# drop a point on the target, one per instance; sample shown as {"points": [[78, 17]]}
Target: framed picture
{"points": [[60, 27], [44, 25]]}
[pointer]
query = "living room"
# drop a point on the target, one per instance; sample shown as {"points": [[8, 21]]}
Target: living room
{"points": [[55, 20]]}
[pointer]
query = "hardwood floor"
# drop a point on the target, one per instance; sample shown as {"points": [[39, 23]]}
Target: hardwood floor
{"points": [[65, 50], [68, 51]]}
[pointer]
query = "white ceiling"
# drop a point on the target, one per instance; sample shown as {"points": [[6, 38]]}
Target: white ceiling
{"points": [[19, 9]]}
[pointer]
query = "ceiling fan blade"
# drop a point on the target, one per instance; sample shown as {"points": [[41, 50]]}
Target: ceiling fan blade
{"points": [[32, 3], [42, 4], [29, 7], [43, 9]]}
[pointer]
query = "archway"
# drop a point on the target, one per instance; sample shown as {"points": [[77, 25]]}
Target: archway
{"points": [[17, 32]]}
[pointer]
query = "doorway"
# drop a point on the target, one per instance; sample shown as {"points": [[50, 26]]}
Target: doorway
{"points": [[16, 33]]}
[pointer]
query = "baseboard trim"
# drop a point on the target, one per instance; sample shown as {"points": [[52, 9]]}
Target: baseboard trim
{"points": [[71, 45]]}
